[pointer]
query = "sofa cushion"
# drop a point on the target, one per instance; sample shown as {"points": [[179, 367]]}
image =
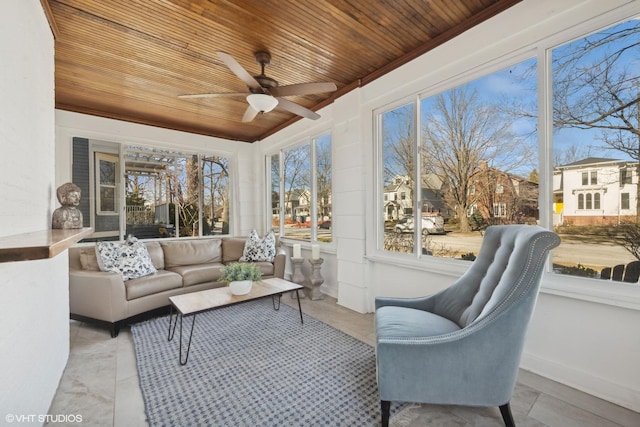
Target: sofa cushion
{"points": [[266, 268], [156, 254], [161, 281], [88, 260], [191, 252], [200, 273], [256, 249], [129, 259], [232, 248]]}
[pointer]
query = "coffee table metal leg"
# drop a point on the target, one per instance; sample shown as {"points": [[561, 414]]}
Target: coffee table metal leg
{"points": [[172, 332], [193, 322], [299, 307], [273, 300]]}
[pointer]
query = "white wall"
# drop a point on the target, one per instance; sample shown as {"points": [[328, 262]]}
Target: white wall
{"points": [[34, 308], [575, 329]]}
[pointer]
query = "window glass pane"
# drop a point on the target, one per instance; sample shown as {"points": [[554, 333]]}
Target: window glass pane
{"points": [[107, 199], [275, 191], [163, 188], [107, 173], [323, 188], [478, 159], [106, 220], [297, 192], [398, 167], [624, 200], [215, 191], [595, 105]]}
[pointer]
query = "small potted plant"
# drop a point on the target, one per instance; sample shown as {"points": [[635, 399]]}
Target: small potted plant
{"points": [[240, 276]]}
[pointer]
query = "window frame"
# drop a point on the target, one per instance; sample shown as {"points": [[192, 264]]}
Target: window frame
{"points": [[618, 294], [313, 200], [111, 158]]}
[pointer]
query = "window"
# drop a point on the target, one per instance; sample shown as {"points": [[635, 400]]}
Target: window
{"points": [[580, 201], [162, 193], [624, 201], [274, 178], [215, 195], [403, 196], [595, 89], [456, 149], [106, 191], [174, 194], [300, 184], [625, 176], [398, 145], [499, 210]]}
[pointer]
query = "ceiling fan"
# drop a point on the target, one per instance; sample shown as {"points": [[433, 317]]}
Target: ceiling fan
{"points": [[265, 92]]}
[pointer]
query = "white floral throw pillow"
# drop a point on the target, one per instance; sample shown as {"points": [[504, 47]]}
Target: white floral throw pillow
{"points": [[129, 259], [256, 249]]}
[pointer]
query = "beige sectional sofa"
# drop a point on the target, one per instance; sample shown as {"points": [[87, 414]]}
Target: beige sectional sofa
{"points": [[183, 266]]}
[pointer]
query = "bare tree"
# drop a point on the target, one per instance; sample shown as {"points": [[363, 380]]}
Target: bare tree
{"points": [[215, 172], [323, 175], [596, 85], [570, 154], [459, 133], [296, 176], [398, 145]]}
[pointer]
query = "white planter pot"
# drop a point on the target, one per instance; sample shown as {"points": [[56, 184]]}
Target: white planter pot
{"points": [[240, 287]]}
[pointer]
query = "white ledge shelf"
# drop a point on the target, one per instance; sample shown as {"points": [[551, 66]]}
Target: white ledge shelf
{"points": [[39, 244]]}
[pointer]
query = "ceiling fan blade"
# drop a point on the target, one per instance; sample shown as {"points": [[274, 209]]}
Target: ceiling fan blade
{"points": [[211, 95], [292, 107], [239, 71], [249, 114], [303, 89]]}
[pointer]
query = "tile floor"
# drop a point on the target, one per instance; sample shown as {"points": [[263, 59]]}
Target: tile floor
{"points": [[101, 384]]}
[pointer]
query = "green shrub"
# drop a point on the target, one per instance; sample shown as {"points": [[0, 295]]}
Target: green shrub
{"points": [[240, 271]]}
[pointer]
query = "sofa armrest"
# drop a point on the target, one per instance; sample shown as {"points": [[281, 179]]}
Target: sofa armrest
{"points": [[279, 263], [97, 294]]}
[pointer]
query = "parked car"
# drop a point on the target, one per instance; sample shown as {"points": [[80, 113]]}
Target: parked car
{"points": [[326, 225], [431, 224]]}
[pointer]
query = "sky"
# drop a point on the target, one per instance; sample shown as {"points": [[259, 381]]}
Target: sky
{"points": [[517, 83]]}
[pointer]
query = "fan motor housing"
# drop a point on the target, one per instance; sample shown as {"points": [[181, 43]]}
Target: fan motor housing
{"points": [[265, 82]]}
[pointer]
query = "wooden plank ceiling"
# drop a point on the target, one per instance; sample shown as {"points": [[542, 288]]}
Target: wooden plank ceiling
{"points": [[130, 59]]}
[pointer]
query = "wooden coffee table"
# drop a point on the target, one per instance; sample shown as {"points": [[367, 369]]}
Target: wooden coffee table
{"points": [[199, 302]]}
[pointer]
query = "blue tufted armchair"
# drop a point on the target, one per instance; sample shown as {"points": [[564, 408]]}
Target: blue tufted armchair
{"points": [[462, 345]]}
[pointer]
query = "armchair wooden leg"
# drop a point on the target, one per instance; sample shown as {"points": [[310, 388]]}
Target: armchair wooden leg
{"points": [[505, 410], [385, 407]]}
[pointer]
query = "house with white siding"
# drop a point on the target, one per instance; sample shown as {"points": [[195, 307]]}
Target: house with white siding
{"points": [[595, 191]]}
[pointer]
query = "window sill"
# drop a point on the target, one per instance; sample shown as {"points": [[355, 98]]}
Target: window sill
{"points": [[617, 294], [39, 244]]}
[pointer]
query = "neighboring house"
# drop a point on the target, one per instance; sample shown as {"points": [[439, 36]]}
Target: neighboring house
{"points": [[501, 197], [431, 194], [398, 200], [595, 191]]}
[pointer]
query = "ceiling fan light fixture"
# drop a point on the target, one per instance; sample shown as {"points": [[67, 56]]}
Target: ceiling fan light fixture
{"points": [[262, 102]]}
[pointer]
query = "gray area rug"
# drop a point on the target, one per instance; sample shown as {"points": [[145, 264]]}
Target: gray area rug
{"points": [[253, 366]]}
